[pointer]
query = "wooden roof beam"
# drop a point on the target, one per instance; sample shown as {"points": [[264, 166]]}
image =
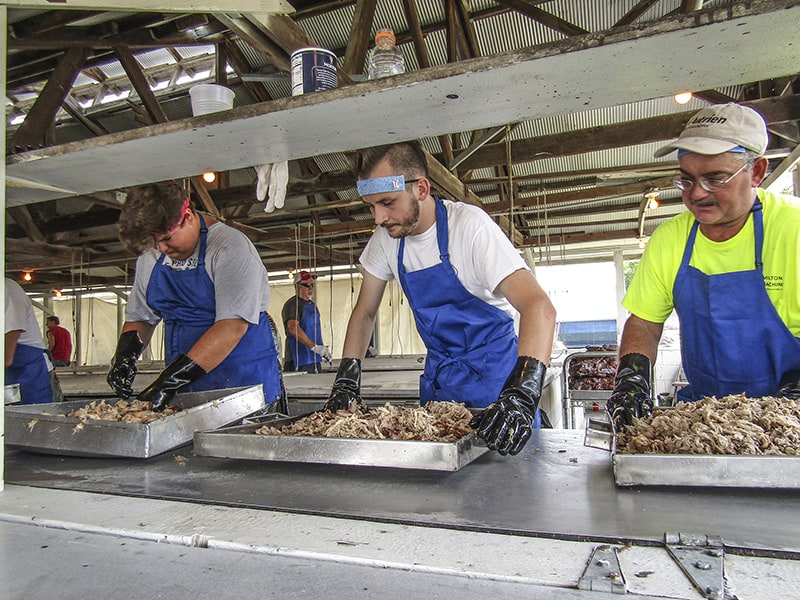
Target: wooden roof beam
{"points": [[359, 39], [31, 134]]}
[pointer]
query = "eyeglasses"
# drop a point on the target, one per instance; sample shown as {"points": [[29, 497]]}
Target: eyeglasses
{"points": [[710, 185], [166, 238]]}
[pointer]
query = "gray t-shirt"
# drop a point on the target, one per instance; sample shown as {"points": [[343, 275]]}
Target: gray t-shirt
{"points": [[241, 283]]}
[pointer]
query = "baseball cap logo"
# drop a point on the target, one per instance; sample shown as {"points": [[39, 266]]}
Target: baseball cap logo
{"points": [[709, 120], [721, 128]]}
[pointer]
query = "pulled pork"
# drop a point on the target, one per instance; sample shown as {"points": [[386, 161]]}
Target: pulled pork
{"points": [[730, 425], [434, 422], [125, 411]]}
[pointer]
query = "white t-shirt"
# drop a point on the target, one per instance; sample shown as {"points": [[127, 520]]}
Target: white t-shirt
{"points": [[20, 316], [241, 283], [478, 249]]}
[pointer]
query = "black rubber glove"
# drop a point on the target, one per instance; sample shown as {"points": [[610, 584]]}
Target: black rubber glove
{"points": [[631, 395], [179, 373], [790, 385], [506, 424], [346, 390], [123, 365]]}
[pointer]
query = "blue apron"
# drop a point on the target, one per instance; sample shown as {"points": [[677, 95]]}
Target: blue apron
{"points": [[301, 354], [470, 343], [725, 350], [29, 370], [186, 302]]}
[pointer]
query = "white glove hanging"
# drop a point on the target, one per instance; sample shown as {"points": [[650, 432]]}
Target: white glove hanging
{"points": [[278, 182], [263, 172]]}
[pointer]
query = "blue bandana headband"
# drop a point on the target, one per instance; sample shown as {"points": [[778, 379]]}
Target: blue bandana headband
{"points": [[381, 185], [681, 151]]}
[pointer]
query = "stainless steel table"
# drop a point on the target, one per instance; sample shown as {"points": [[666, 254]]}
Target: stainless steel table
{"points": [[556, 489]]}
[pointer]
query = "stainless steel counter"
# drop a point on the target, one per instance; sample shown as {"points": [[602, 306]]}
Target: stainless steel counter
{"points": [[555, 489]]}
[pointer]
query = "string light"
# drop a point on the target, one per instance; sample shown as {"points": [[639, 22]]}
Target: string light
{"points": [[209, 177]]}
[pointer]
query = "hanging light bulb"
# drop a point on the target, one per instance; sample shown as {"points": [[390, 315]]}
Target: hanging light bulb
{"points": [[27, 276], [209, 177], [57, 293], [652, 198], [642, 243], [683, 97]]}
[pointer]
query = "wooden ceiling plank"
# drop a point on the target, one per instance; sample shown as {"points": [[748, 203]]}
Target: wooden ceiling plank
{"points": [[640, 131], [255, 37], [451, 20], [637, 11], [139, 82], [415, 29], [43, 112], [165, 6], [23, 218], [359, 40], [76, 112], [240, 66], [470, 38], [545, 18], [283, 30], [48, 22], [455, 189]]}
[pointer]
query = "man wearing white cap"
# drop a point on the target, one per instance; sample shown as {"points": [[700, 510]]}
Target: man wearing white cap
{"points": [[729, 266], [301, 320]]}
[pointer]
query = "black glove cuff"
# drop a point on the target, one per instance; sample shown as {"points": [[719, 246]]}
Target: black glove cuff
{"points": [[633, 370], [130, 345], [527, 378], [349, 374]]}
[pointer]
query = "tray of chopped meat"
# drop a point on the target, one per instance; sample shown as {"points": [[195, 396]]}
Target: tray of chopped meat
{"points": [[732, 441], [125, 428], [436, 436]]}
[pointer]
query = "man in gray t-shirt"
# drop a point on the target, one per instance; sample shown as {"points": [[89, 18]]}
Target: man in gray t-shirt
{"points": [[207, 283]]}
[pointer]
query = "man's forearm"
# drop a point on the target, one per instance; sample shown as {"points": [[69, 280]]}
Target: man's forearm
{"points": [[640, 337]]}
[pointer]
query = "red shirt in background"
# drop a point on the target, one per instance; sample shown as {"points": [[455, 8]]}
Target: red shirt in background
{"points": [[60, 343]]}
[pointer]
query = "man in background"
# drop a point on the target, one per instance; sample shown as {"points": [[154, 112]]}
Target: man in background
{"points": [[301, 321], [59, 342]]}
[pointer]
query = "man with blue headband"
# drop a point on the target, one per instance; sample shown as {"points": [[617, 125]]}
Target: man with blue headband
{"points": [[465, 283], [729, 267]]}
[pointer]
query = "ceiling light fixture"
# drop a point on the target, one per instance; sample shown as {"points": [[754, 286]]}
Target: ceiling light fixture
{"points": [[27, 276], [683, 97], [652, 197], [209, 176]]}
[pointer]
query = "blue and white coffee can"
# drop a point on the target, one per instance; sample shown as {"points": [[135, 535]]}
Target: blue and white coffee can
{"points": [[313, 69]]}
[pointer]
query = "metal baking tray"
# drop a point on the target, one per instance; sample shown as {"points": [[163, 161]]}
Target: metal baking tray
{"points": [[693, 470], [242, 442], [12, 394], [45, 428], [707, 470]]}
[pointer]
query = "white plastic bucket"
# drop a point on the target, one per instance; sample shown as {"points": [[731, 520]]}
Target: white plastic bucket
{"points": [[209, 98]]}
